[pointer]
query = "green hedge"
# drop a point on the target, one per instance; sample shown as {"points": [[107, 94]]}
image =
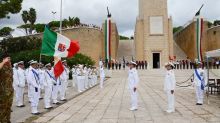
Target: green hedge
{"points": [[35, 55]]}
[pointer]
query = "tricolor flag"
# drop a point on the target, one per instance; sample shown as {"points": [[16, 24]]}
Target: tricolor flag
{"points": [[199, 32], [59, 46], [108, 39]]}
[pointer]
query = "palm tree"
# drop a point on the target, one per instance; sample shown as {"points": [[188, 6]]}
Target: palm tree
{"points": [[32, 18], [25, 17], [76, 21], [71, 21]]}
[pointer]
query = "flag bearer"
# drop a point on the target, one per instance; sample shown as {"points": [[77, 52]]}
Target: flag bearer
{"points": [[34, 79], [199, 83], [169, 86], [64, 80], [133, 81], [48, 86], [102, 76], [20, 84]]}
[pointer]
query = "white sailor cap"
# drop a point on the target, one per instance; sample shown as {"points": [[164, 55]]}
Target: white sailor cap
{"points": [[33, 62], [49, 64], [63, 61], [169, 63], [20, 62], [134, 63], [30, 61], [15, 64]]}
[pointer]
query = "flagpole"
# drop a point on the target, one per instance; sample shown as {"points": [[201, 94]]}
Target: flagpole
{"points": [[61, 6]]}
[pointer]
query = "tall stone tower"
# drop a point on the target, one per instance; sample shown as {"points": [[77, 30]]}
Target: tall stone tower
{"points": [[153, 33]]}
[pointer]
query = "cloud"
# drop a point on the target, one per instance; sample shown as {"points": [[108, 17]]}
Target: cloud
{"points": [[124, 12]]}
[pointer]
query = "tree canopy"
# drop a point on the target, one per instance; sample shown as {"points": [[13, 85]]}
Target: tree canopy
{"points": [[9, 6], [6, 31]]}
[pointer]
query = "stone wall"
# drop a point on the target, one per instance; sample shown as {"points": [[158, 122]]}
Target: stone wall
{"points": [[91, 41], [186, 39], [213, 37]]}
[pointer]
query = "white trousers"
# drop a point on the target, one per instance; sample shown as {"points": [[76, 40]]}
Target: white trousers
{"points": [[74, 81], [86, 82], [55, 90], [81, 83], [19, 95], [170, 101], [94, 80], [29, 93], [35, 99], [47, 96], [199, 94], [63, 88], [102, 81], [134, 100]]}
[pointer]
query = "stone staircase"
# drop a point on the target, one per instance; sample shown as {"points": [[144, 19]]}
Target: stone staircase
{"points": [[126, 49]]}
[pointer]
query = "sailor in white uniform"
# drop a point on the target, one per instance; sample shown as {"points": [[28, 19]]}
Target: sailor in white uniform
{"points": [[199, 83], [41, 72], [102, 76], [86, 74], [28, 83], [74, 75], [48, 86], [34, 80], [169, 86], [64, 80], [15, 77], [20, 84], [80, 78], [133, 80]]}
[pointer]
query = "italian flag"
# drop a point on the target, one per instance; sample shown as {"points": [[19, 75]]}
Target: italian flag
{"points": [[55, 44], [58, 46], [108, 26], [199, 32]]}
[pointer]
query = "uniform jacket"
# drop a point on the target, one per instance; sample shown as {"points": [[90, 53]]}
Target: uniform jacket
{"points": [[170, 81], [202, 74], [133, 78], [21, 78]]}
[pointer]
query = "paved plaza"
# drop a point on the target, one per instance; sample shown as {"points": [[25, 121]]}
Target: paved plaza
{"points": [[111, 104]]}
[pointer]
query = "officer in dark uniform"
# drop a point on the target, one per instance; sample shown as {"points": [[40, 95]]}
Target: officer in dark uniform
{"points": [[6, 89]]}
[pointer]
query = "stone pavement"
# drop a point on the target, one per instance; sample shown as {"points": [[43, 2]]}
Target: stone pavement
{"points": [[21, 114], [111, 104]]}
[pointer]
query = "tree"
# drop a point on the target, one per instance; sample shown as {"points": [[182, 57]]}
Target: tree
{"points": [[39, 27], [216, 22], [9, 6], [71, 21], [176, 29], [76, 21], [65, 23], [6, 31], [32, 16], [123, 37], [25, 17]]}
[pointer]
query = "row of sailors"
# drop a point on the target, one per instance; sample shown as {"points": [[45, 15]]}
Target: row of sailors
{"points": [[39, 77]]}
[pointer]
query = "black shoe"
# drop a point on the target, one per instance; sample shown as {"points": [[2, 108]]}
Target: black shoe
{"points": [[198, 104], [41, 98], [64, 100], [21, 106], [48, 108], [58, 103], [36, 113]]}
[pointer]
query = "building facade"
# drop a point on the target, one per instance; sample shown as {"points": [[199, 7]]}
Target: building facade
{"points": [[153, 33]]}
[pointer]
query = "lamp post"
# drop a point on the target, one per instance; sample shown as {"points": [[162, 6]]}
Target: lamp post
{"points": [[61, 6]]}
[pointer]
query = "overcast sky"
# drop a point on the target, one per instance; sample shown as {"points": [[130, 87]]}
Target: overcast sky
{"points": [[124, 12]]}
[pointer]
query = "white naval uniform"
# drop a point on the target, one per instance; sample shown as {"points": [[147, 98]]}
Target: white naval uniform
{"points": [[20, 84], [42, 80], [28, 83], [15, 81], [57, 88], [74, 80], [86, 73], [48, 87], [80, 80], [94, 77], [197, 83], [170, 84], [34, 80], [64, 82], [133, 81], [102, 76], [90, 77]]}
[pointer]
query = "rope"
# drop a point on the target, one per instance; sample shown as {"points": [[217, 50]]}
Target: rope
{"points": [[179, 84]]}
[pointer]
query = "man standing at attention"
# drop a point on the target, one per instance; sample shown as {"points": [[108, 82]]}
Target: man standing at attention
{"points": [[6, 89], [169, 86], [199, 82], [133, 80]]}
